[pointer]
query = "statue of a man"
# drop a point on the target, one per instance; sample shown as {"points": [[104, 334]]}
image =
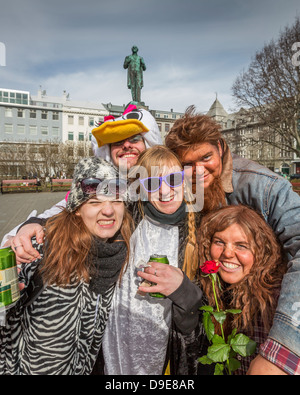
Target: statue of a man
{"points": [[135, 65]]}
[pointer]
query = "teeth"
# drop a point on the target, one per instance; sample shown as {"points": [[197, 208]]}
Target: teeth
{"points": [[230, 265], [166, 199], [106, 222], [129, 156]]}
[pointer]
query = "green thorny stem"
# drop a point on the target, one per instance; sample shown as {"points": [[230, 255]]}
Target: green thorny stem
{"points": [[213, 279]]}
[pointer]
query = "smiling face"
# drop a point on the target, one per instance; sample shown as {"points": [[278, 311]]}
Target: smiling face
{"points": [[102, 218], [205, 162], [232, 248], [167, 199], [126, 153]]}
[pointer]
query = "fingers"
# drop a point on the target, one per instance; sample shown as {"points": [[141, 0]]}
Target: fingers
{"points": [[166, 278], [22, 256], [22, 246]]}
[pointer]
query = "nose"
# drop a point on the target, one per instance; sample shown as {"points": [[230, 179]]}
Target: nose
{"points": [[198, 169], [126, 144], [107, 208], [228, 251], [164, 189]]}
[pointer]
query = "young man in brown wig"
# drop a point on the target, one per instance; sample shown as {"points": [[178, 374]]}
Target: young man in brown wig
{"points": [[230, 179]]}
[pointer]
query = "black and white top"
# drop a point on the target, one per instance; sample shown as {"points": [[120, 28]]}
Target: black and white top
{"points": [[60, 332]]}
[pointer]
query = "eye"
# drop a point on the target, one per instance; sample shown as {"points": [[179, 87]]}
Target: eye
{"points": [[242, 247], [218, 242], [135, 114]]}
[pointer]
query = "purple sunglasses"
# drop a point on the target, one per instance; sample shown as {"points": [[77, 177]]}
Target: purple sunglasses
{"points": [[173, 180]]}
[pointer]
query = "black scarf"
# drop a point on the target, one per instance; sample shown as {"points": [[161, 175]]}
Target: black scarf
{"points": [[168, 219], [106, 259]]}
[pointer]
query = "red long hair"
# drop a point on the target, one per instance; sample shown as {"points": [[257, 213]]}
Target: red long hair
{"points": [[68, 243]]}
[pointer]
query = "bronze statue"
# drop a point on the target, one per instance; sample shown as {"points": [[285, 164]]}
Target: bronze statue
{"points": [[135, 65]]}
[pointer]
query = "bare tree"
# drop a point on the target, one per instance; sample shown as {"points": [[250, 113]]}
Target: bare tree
{"points": [[270, 89]]}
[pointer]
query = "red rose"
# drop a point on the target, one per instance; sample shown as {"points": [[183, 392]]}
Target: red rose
{"points": [[209, 267]]}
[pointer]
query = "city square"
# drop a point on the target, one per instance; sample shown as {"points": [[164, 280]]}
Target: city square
{"points": [[169, 134]]}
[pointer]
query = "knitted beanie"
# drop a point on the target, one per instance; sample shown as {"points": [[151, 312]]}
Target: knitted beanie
{"points": [[92, 167]]}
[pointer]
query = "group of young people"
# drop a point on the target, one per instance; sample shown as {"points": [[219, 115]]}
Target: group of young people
{"points": [[86, 304]]}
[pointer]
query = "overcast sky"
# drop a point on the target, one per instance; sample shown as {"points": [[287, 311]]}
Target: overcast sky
{"points": [[192, 48]]}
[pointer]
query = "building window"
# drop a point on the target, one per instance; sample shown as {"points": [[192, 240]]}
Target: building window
{"points": [[32, 130], [167, 127], [44, 130], [81, 121], [8, 112], [44, 115], [55, 132], [70, 119], [20, 129], [8, 128], [91, 121], [32, 114], [159, 126], [20, 113], [55, 116], [70, 136], [81, 137]]}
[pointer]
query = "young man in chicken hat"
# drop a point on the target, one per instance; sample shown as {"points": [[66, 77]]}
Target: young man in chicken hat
{"points": [[121, 140]]}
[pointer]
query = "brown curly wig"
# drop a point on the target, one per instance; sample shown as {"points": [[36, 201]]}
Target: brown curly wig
{"points": [[254, 294]]}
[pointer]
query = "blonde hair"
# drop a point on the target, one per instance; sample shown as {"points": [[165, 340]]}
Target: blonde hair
{"points": [[160, 156]]}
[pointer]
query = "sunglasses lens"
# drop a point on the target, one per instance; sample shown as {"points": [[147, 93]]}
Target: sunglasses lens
{"points": [[151, 184], [89, 185], [112, 189], [132, 140], [117, 186], [174, 179]]}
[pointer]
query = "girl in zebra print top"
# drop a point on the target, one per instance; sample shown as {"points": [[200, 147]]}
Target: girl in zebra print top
{"points": [[58, 324]]}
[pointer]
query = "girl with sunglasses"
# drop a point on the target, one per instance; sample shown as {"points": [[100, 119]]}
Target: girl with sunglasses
{"points": [[139, 326], [58, 324]]}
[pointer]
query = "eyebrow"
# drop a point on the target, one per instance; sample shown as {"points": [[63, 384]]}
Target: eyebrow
{"points": [[236, 242], [198, 159]]}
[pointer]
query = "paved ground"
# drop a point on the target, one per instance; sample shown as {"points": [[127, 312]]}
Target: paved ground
{"points": [[16, 207]]}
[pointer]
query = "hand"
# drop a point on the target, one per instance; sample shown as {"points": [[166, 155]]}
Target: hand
{"points": [[22, 246], [261, 366], [168, 278]]}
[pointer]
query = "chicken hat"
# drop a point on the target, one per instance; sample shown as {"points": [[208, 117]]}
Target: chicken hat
{"points": [[133, 121]]}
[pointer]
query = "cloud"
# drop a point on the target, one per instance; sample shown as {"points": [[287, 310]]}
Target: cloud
{"points": [[192, 49]]}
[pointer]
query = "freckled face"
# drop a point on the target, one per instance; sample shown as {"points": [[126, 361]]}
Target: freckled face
{"points": [[231, 247]]}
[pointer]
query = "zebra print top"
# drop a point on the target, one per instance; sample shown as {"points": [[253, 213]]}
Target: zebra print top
{"points": [[58, 333]]}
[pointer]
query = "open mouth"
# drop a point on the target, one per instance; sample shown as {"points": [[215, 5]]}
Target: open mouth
{"points": [[106, 223], [128, 155], [230, 266], [164, 199]]}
